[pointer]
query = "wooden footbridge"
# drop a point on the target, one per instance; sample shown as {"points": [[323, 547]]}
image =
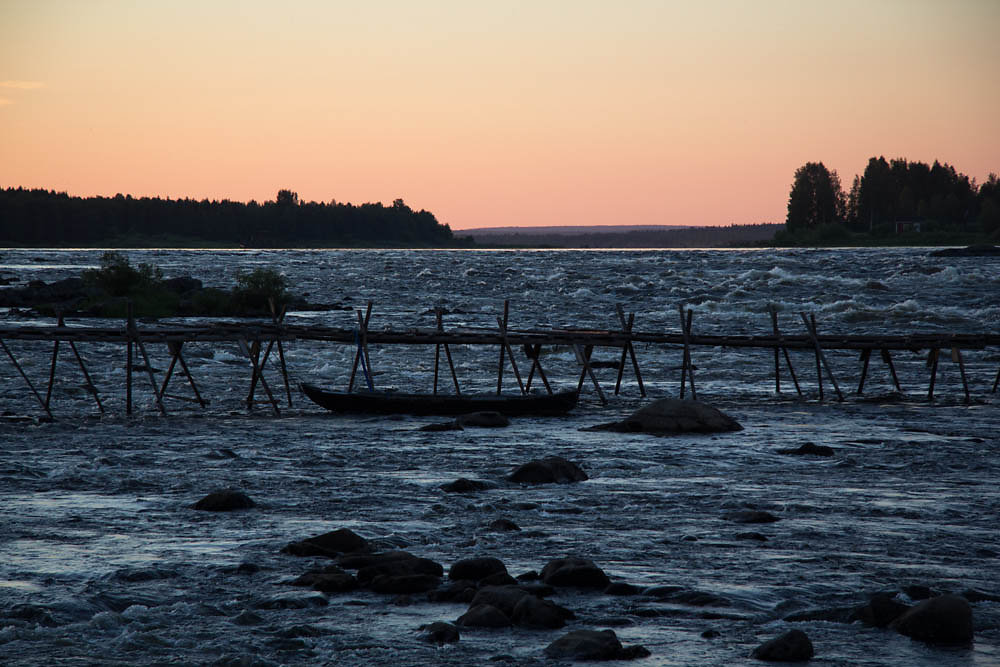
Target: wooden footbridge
{"points": [[257, 341]]}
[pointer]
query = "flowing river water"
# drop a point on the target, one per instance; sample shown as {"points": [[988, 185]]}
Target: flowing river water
{"points": [[103, 561]]}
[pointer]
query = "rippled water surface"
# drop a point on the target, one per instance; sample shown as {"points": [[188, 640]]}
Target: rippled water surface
{"points": [[102, 561]]}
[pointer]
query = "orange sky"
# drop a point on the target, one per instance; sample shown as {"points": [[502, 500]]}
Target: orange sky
{"points": [[489, 114]]}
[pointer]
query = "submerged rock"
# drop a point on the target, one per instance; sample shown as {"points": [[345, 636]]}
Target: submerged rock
{"points": [[224, 501], [331, 545], [750, 516], [483, 420], [793, 646], [439, 632], [475, 569], [985, 250], [809, 448], [945, 619], [484, 616], [550, 470], [672, 415], [574, 572], [593, 645], [881, 610], [463, 485]]}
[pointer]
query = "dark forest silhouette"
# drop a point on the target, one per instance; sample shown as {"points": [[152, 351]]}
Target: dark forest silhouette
{"points": [[42, 218], [892, 198]]}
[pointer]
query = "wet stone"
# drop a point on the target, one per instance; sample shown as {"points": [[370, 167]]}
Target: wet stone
{"points": [[331, 545], [793, 646], [750, 516], [592, 645], [574, 572], [463, 485], [549, 470], [484, 616], [224, 501], [809, 448], [439, 633], [945, 619]]}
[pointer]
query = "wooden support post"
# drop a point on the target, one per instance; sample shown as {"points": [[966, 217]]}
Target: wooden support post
{"points": [[932, 361], [956, 354], [90, 383], [865, 356], [176, 356], [128, 361], [52, 368], [20, 370], [439, 314], [505, 346], [788, 358], [278, 319], [820, 357], [361, 355], [437, 349], [887, 358], [134, 335], [628, 349], [252, 354], [534, 352], [996, 382], [583, 356], [687, 368]]}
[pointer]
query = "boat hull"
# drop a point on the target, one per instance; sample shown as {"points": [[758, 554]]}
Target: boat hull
{"points": [[442, 404]]}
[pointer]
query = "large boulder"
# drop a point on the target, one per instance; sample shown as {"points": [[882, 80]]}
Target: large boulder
{"points": [[592, 645], [484, 616], [793, 646], [575, 573], [532, 612], [550, 470], [945, 619], [475, 569], [881, 610], [439, 633], [673, 415]]}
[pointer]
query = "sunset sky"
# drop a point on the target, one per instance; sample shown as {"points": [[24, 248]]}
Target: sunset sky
{"points": [[494, 114]]}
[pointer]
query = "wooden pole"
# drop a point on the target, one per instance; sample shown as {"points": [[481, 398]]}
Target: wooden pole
{"points": [[90, 383], [628, 349], [788, 358], [957, 354], [278, 319], [996, 382], [583, 356], [437, 348], [177, 357], [865, 356], [686, 365], [52, 368], [134, 333], [20, 370], [256, 371], [128, 360], [362, 352], [503, 348], [811, 327], [887, 358], [932, 361], [534, 352], [777, 352]]}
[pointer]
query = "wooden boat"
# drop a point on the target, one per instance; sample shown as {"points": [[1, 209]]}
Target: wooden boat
{"points": [[394, 402]]}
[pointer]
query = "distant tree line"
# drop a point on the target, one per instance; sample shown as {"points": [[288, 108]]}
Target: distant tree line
{"points": [[43, 218], [686, 237], [936, 196]]}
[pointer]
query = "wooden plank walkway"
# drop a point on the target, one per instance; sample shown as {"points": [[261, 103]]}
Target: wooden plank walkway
{"points": [[251, 338]]}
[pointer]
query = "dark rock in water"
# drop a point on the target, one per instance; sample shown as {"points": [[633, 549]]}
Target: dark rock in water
{"points": [[532, 612], [401, 568], [404, 583], [456, 591], [751, 536], [880, 611], [361, 559], [832, 615], [876, 285], [968, 251], [920, 592], [622, 589], [550, 470], [292, 602], [475, 569], [439, 632], [331, 545], [503, 526], [441, 426], [710, 634], [574, 572], [330, 579], [684, 596], [504, 598], [945, 619], [484, 616], [672, 415], [463, 485], [224, 501], [592, 645], [248, 618], [809, 448], [483, 420], [978, 596], [793, 646], [751, 516], [498, 579]]}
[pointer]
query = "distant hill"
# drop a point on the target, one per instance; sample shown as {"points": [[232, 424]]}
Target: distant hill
{"points": [[625, 236]]}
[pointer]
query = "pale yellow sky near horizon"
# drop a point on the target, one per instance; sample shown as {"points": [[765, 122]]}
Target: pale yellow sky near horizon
{"points": [[493, 114]]}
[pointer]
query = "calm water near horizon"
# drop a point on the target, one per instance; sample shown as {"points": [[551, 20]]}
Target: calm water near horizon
{"points": [[102, 561]]}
